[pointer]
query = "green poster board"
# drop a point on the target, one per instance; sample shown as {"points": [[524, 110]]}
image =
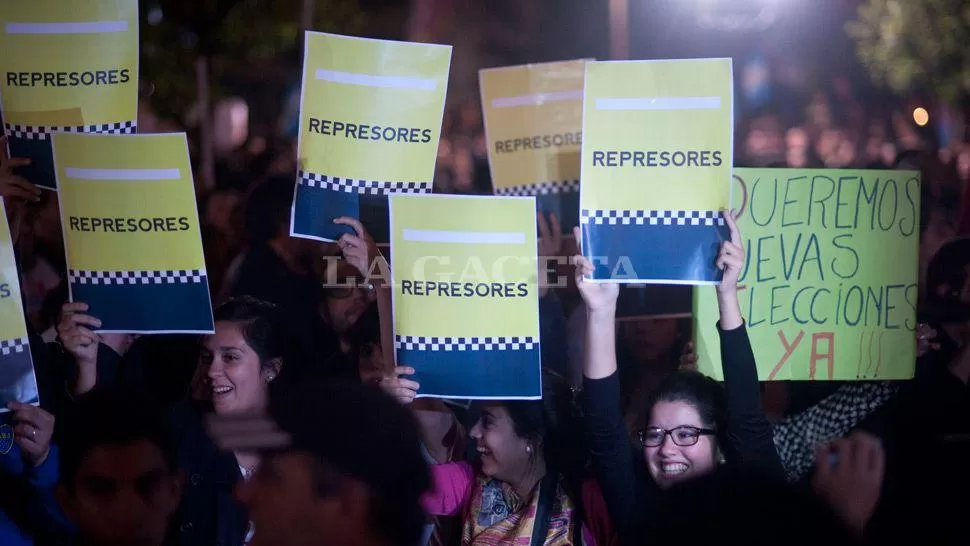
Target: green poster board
{"points": [[830, 281]]}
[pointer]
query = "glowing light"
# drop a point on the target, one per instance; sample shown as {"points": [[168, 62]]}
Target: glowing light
{"points": [[921, 116]]}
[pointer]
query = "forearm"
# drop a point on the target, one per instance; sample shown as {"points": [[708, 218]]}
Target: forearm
{"points": [[600, 343], [729, 308]]}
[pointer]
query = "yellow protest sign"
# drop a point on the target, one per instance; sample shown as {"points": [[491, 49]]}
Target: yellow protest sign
{"points": [[656, 168], [67, 67], [131, 231], [534, 128], [370, 120], [466, 304], [17, 380], [829, 285]]}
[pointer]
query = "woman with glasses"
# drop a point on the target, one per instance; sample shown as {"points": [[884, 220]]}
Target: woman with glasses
{"points": [[692, 425]]}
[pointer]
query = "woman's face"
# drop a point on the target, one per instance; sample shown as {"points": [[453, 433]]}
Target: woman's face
{"points": [[670, 463], [235, 376], [505, 456]]}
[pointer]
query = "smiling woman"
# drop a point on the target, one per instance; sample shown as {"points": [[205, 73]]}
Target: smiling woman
{"points": [[528, 487], [244, 356], [240, 367]]}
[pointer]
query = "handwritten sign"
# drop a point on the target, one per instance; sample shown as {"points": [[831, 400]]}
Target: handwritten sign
{"points": [[66, 67], [466, 303], [370, 120], [656, 168], [534, 122], [830, 279]]}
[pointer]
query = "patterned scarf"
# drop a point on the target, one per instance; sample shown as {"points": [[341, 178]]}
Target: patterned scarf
{"points": [[498, 516]]}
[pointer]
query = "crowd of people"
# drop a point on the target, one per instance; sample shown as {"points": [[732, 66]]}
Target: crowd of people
{"points": [[291, 424]]}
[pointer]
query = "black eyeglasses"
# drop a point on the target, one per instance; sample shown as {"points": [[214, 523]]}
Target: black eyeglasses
{"points": [[683, 435]]}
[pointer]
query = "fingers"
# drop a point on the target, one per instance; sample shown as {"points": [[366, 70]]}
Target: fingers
{"points": [[584, 268], [730, 217], [823, 463], [555, 226], [31, 415], [543, 225], [21, 189], [578, 235], [8, 164], [868, 456], [74, 307], [81, 338], [353, 223], [350, 241], [86, 320], [730, 255], [404, 390], [28, 433], [407, 384]]}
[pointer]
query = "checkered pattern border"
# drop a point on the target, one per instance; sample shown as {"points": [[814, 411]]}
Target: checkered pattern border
{"points": [[652, 217], [366, 187], [11, 346], [179, 276], [542, 188], [420, 343], [42, 133]]}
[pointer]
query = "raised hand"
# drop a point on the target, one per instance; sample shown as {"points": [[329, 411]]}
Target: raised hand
{"points": [[688, 358], [598, 296], [11, 185], [75, 333], [730, 259], [359, 250], [849, 474], [403, 390], [33, 431]]}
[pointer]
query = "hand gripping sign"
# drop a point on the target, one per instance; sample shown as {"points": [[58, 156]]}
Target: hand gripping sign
{"points": [[466, 305], [66, 67], [370, 120], [17, 380], [533, 125], [656, 169], [131, 232], [829, 286]]}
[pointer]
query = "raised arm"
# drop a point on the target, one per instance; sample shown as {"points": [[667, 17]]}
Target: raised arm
{"points": [[361, 252], [748, 426], [609, 443]]}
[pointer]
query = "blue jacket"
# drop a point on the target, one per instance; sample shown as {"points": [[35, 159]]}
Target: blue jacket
{"points": [[41, 513], [209, 514]]}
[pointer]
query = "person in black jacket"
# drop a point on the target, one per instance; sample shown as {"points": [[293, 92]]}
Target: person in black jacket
{"points": [[692, 426]]}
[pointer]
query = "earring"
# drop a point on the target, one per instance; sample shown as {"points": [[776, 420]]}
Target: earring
{"points": [[528, 449], [270, 377]]}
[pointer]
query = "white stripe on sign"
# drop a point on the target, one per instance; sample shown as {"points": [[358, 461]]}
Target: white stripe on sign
{"points": [[89, 27], [123, 174], [660, 103], [465, 237], [368, 80], [537, 99]]}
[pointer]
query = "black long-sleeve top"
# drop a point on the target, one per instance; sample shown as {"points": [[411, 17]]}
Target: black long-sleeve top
{"points": [[631, 495]]}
